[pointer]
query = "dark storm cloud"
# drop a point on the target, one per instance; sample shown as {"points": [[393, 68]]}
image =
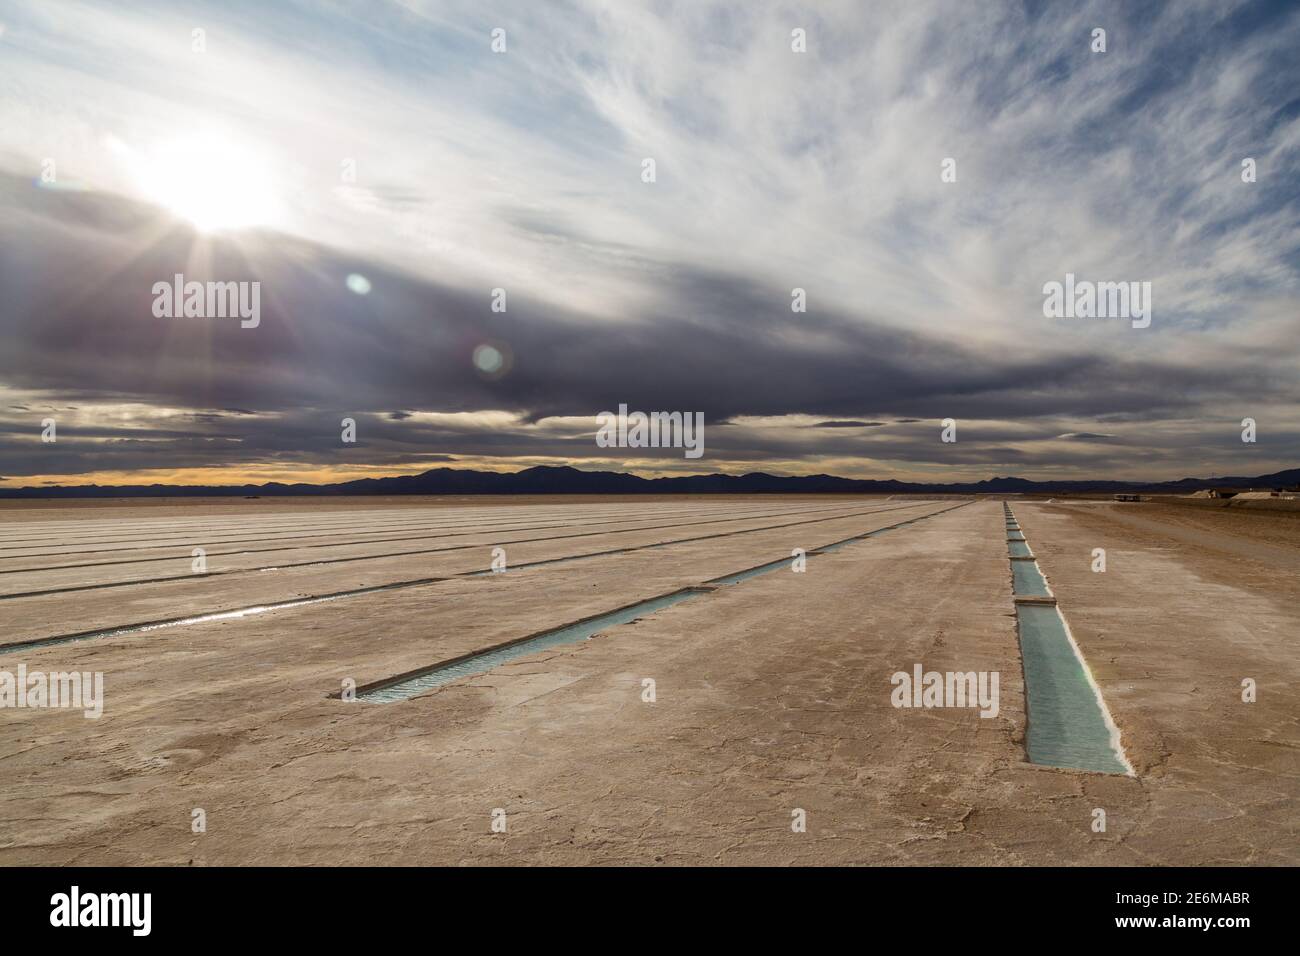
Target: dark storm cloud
{"points": [[819, 171], [78, 271], [1085, 436]]}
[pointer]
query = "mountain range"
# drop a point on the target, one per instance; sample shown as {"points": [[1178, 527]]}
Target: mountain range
{"points": [[546, 480]]}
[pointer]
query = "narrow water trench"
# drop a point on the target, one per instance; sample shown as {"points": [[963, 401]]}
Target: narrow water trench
{"points": [[234, 613], [410, 684], [230, 615], [1068, 722], [1027, 580]]}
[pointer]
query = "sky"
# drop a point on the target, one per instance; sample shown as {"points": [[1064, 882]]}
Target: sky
{"points": [[920, 170]]}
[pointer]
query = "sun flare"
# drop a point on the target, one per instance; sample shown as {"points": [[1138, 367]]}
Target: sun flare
{"points": [[211, 181]]}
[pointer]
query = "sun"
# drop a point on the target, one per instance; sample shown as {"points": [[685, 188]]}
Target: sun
{"points": [[212, 181]]}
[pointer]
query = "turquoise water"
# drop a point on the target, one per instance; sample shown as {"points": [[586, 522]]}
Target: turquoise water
{"points": [[1067, 719], [827, 549], [205, 618], [1027, 580], [486, 660], [1066, 725], [761, 569], [836, 545]]}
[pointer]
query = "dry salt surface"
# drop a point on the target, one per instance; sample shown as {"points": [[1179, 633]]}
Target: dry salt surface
{"points": [[770, 696]]}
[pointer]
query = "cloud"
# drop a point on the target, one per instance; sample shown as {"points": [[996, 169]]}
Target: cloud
{"points": [[1085, 436], [847, 424], [776, 170]]}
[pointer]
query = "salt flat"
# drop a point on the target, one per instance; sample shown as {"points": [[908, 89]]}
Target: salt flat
{"points": [[771, 696]]}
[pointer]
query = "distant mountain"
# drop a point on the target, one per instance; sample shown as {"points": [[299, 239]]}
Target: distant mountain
{"points": [[570, 481]]}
